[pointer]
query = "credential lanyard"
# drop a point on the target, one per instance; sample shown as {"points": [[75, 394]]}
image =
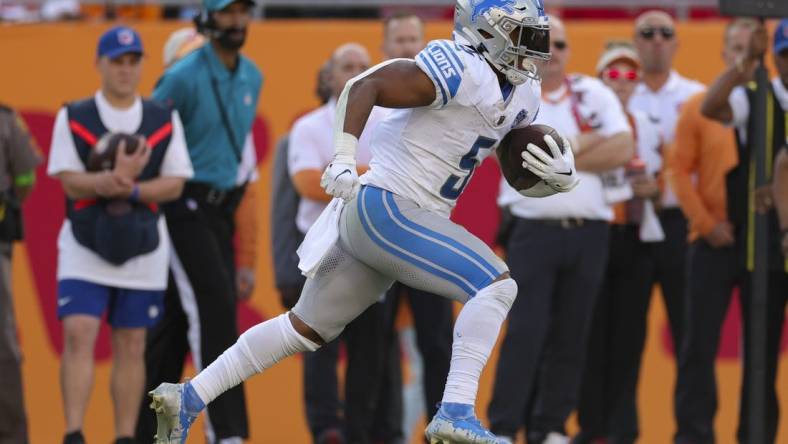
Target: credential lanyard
{"points": [[574, 104], [225, 119]]}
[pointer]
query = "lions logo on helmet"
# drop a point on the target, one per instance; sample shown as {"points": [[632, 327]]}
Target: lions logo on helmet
{"points": [[481, 6], [510, 34]]}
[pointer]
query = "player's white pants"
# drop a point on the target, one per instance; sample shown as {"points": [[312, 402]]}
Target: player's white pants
{"points": [[385, 238]]}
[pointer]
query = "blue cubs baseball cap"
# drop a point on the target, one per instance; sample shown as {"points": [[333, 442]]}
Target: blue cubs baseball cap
{"points": [[781, 37], [118, 41], [218, 5]]}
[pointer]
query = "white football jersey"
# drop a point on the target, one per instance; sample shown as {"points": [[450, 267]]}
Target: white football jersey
{"points": [[428, 154]]}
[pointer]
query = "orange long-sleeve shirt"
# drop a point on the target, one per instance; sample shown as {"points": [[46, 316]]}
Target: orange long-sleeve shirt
{"points": [[706, 149]]}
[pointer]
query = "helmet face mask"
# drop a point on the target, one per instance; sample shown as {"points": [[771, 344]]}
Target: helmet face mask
{"points": [[510, 34]]}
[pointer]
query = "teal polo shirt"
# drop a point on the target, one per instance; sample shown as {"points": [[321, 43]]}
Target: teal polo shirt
{"points": [[188, 88]]}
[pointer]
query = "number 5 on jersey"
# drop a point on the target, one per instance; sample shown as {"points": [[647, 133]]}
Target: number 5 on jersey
{"points": [[469, 162]]}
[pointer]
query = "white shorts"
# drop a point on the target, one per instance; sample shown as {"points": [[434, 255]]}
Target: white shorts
{"points": [[385, 238]]}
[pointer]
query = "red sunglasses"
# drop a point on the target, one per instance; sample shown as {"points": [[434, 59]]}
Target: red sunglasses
{"points": [[615, 74]]}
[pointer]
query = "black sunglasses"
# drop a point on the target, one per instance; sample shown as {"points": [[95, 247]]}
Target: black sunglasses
{"points": [[559, 45], [649, 32]]}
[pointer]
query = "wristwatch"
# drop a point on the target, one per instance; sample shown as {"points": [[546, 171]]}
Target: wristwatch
{"points": [[135, 193]]}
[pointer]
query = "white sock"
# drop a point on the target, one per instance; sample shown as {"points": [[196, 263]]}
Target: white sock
{"points": [[475, 333], [257, 349]]}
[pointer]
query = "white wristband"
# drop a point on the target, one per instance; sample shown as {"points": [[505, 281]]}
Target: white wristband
{"points": [[345, 146]]}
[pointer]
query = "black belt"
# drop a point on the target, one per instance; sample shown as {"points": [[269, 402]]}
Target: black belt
{"points": [[566, 223], [210, 195], [625, 228], [671, 213]]}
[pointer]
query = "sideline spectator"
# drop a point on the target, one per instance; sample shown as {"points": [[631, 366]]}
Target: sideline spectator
{"points": [[608, 398], [97, 272], [179, 44], [541, 363], [216, 89], [285, 235], [660, 95], [311, 149], [731, 105], [19, 157], [705, 156]]}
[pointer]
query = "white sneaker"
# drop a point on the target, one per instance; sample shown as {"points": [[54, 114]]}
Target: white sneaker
{"points": [[176, 406], [457, 424]]}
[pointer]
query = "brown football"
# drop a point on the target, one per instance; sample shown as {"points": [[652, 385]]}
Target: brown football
{"points": [[102, 156], [510, 153]]}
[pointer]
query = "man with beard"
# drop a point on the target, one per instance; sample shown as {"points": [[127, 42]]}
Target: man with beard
{"points": [[216, 90]]}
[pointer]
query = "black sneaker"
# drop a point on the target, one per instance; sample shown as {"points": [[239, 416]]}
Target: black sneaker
{"points": [[74, 438]]}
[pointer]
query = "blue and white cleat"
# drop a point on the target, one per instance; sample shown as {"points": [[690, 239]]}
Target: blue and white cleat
{"points": [[457, 424], [176, 406]]}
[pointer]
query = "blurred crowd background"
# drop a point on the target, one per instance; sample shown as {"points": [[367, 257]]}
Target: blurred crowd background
{"points": [[53, 10]]}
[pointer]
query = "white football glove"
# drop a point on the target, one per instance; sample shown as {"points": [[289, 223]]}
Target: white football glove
{"points": [[541, 189], [340, 179], [557, 171]]}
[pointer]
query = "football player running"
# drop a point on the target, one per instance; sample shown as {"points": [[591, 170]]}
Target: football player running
{"points": [[453, 104]]}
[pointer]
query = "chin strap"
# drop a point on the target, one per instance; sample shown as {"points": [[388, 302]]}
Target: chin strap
{"points": [[513, 77]]}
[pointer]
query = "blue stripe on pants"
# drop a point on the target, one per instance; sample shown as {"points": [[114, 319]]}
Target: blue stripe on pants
{"points": [[434, 235], [380, 224]]}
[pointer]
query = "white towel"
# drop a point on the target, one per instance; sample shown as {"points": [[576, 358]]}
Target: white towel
{"points": [[650, 228], [320, 238], [616, 186]]}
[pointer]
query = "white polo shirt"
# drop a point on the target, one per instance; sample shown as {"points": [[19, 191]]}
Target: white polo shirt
{"points": [[601, 109], [312, 148], [663, 107], [74, 261], [649, 142], [741, 106]]}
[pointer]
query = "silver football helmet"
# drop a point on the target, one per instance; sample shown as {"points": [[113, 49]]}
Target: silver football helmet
{"points": [[510, 34]]}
